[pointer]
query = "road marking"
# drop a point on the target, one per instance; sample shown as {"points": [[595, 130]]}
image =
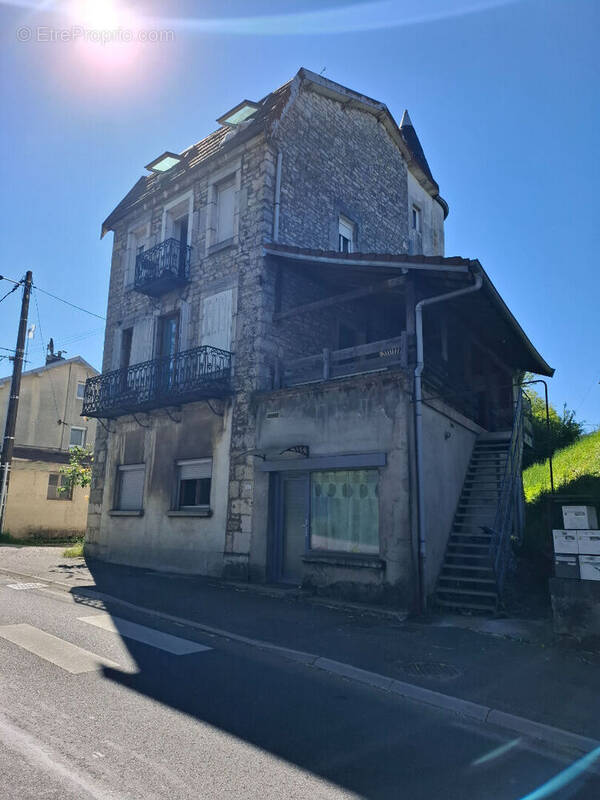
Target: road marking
{"points": [[140, 633], [59, 652], [20, 586]]}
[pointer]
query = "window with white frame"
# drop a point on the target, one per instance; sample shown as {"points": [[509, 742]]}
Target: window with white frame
{"points": [[225, 210], [130, 487], [346, 235], [194, 479], [59, 487], [416, 219], [344, 511], [80, 389], [77, 437]]}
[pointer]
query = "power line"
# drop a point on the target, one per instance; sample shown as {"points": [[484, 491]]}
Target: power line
{"points": [[10, 291], [54, 296], [68, 303]]}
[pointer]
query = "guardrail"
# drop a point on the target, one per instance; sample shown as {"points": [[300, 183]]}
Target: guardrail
{"points": [[196, 374]]}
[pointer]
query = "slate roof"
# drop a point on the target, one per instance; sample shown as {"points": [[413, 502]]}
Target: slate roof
{"points": [[270, 108], [411, 140]]}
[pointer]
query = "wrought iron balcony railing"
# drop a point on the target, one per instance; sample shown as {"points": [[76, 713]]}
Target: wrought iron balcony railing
{"points": [[163, 267], [198, 374]]}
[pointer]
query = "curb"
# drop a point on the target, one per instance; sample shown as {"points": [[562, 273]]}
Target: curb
{"points": [[456, 705]]}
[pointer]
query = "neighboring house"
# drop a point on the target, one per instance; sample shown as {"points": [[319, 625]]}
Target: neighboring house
{"points": [[262, 355], [49, 422]]}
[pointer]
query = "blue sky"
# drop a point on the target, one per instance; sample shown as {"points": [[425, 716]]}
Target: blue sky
{"points": [[504, 96]]}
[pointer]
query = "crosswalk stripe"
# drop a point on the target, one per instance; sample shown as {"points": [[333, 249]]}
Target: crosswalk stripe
{"points": [[59, 652], [140, 633]]}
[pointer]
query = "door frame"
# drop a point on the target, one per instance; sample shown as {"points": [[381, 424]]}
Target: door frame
{"points": [[276, 526]]}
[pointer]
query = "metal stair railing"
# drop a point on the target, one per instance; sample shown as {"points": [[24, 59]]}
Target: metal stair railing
{"points": [[510, 510]]}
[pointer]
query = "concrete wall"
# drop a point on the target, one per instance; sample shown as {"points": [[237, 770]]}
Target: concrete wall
{"points": [[192, 544], [448, 440], [46, 396], [576, 609], [359, 415], [431, 240], [30, 514]]}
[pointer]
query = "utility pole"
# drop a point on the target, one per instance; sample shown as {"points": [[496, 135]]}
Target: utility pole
{"points": [[8, 443]]}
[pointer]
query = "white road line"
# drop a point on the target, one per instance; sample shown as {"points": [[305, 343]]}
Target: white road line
{"points": [[64, 654], [140, 633], [24, 585]]}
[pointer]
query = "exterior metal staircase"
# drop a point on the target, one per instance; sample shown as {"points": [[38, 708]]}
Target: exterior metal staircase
{"points": [[489, 513]]}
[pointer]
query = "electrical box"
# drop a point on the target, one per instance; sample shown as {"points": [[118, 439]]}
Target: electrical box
{"points": [[567, 566], [590, 568], [580, 517], [589, 542], [565, 541]]}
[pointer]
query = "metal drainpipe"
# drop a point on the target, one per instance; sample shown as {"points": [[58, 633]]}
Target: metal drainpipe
{"points": [[277, 197], [419, 424]]}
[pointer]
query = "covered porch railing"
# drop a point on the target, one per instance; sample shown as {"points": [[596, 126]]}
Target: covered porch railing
{"points": [[330, 364]]}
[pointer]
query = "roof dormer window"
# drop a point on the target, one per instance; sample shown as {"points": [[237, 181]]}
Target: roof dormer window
{"points": [[238, 114], [164, 162]]}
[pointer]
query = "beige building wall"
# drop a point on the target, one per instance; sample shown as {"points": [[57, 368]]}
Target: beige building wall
{"points": [[28, 511], [47, 395], [49, 409]]}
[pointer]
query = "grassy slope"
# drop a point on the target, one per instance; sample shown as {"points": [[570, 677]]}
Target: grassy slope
{"points": [[574, 467], [576, 474]]}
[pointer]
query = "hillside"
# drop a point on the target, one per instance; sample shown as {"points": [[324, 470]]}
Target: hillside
{"points": [[576, 471]]}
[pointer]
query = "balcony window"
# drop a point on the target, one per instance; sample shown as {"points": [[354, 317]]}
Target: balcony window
{"points": [[130, 487], [194, 483], [344, 511]]}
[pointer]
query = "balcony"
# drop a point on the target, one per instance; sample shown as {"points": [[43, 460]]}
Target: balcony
{"points": [[162, 268], [199, 374], [331, 364]]}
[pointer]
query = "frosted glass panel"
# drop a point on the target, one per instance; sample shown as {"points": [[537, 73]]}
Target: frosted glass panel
{"points": [[345, 511]]}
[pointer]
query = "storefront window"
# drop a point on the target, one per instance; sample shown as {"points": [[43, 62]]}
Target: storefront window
{"points": [[344, 511]]}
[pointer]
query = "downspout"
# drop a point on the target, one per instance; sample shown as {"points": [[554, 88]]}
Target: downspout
{"points": [[475, 286], [277, 197]]}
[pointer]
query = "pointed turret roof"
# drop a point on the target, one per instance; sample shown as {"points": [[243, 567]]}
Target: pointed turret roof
{"points": [[411, 140]]}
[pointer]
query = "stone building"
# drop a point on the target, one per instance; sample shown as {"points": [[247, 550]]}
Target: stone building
{"points": [[48, 423], [280, 404]]}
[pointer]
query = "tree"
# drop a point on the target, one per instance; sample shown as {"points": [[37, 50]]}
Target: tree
{"points": [[564, 429], [79, 471]]}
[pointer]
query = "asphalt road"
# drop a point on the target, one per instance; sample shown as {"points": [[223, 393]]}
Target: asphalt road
{"points": [[105, 703]]}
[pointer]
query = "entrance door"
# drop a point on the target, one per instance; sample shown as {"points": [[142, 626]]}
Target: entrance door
{"points": [[293, 527]]}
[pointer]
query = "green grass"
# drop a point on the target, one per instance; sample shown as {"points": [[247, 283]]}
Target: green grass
{"points": [[576, 475], [36, 541], [76, 551], [576, 470]]}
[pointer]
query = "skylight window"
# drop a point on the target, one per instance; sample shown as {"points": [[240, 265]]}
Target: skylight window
{"points": [[164, 162], [238, 114]]}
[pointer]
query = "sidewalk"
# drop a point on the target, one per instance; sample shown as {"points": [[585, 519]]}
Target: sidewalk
{"points": [[539, 680]]}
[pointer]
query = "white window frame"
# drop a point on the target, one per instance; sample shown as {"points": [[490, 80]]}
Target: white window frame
{"points": [[121, 469], [80, 383], [416, 220], [84, 437], [346, 229], [186, 201], [217, 179], [137, 235], [193, 462]]}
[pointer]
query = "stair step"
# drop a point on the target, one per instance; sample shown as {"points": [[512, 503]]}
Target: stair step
{"points": [[465, 605], [479, 546], [474, 592], [462, 579], [468, 566]]}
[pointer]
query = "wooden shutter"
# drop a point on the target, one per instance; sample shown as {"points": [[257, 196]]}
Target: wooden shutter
{"points": [[142, 343], [131, 487], [225, 211], [184, 325], [216, 314]]}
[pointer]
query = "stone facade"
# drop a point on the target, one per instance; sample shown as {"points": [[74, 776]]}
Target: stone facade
{"points": [[337, 158]]}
